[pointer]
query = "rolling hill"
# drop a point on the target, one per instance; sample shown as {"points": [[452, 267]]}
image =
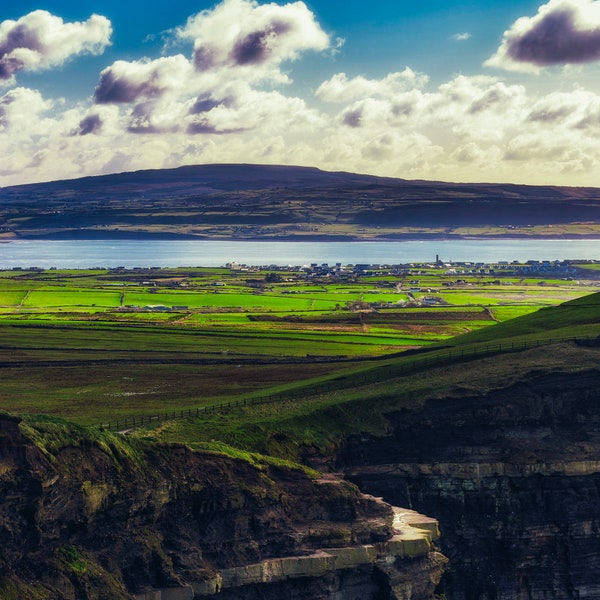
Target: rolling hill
{"points": [[290, 203]]}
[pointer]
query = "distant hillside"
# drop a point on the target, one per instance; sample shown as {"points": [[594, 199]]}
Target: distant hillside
{"points": [[281, 202], [579, 317], [198, 179]]}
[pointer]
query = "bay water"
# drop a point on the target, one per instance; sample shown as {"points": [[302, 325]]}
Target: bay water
{"points": [[208, 253]]}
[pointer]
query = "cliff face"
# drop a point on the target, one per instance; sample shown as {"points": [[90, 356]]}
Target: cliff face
{"points": [[513, 478], [89, 515]]}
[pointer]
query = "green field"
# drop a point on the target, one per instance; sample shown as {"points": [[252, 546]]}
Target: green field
{"points": [[99, 345], [326, 410]]}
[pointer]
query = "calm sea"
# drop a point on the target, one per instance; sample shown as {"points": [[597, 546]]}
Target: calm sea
{"points": [[145, 253]]}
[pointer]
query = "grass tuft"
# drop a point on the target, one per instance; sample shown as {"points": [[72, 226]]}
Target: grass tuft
{"points": [[52, 434]]}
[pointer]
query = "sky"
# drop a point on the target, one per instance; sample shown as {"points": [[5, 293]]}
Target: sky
{"points": [[469, 91]]}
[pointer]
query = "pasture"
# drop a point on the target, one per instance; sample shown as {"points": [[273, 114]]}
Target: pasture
{"points": [[93, 345]]}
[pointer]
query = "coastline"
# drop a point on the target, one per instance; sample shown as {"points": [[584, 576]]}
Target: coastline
{"points": [[88, 235]]}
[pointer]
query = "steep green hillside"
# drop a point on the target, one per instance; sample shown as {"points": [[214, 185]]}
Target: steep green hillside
{"points": [[324, 414], [579, 317]]}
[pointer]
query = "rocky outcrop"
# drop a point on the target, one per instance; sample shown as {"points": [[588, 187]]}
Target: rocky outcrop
{"points": [[402, 567], [88, 514], [513, 477]]}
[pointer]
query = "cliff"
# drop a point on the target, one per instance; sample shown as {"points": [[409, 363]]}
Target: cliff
{"points": [[512, 475], [88, 514]]}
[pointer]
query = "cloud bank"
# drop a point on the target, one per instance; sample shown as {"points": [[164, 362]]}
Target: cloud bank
{"points": [[237, 46], [342, 89], [227, 99], [40, 40]]}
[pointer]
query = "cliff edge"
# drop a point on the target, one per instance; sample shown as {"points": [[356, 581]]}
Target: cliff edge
{"points": [[89, 514], [513, 475]]}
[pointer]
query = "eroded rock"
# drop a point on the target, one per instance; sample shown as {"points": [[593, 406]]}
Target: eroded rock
{"points": [[88, 514]]}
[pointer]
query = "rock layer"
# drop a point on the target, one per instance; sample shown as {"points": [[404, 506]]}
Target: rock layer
{"points": [[88, 514], [513, 478]]}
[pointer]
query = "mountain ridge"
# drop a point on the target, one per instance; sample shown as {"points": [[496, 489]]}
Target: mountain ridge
{"points": [[245, 201], [292, 177]]}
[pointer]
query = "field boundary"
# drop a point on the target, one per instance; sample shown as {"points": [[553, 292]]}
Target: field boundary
{"points": [[413, 365]]}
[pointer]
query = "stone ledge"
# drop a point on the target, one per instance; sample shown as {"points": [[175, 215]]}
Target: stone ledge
{"points": [[474, 471], [413, 534]]}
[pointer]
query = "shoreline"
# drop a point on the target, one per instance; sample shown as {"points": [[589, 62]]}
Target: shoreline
{"points": [[138, 236]]}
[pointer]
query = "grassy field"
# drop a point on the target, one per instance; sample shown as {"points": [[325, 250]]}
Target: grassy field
{"points": [[327, 410], [99, 345]]}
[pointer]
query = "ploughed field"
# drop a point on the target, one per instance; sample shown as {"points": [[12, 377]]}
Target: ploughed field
{"points": [[97, 345]]}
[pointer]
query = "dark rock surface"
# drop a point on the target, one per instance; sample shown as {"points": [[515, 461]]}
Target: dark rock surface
{"points": [[88, 514], [513, 477]]}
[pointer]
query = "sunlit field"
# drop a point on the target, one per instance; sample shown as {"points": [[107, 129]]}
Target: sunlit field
{"points": [[93, 344]]}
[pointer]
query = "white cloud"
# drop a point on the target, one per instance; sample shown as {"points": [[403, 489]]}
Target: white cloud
{"points": [[20, 109], [253, 39], [128, 82], [237, 46], [468, 153], [271, 112], [461, 37], [478, 108], [341, 89], [469, 128], [566, 110], [562, 32], [40, 40], [24, 130]]}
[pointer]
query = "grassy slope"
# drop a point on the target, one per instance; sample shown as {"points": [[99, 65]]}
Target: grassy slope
{"points": [[579, 317], [333, 404], [322, 418], [96, 364]]}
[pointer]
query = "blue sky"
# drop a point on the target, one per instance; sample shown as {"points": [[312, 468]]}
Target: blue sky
{"points": [[380, 36], [464, 91]]}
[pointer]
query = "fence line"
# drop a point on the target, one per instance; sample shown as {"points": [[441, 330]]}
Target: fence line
{"points": [[341, 382]]}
